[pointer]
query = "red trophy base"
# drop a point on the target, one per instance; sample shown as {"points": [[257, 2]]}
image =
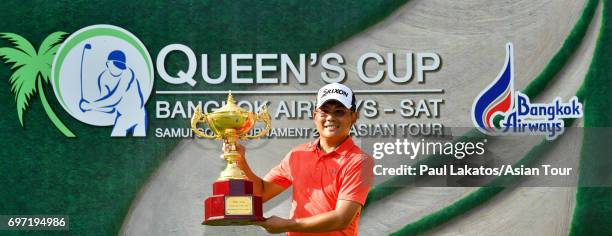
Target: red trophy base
{"points": [[232, 203]]}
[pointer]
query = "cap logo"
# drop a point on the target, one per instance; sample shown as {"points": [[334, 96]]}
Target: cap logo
{"points": [[338, 91]]}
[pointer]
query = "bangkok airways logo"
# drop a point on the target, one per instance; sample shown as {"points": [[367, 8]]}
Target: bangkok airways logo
{"points": [[499, 109], [496, 99], [102, 75]]}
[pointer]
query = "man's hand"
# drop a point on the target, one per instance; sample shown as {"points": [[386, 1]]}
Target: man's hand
{"points": [[227, 147], [84, 105], [337, 219], [239, 149], [261, 188], [276, 225]]}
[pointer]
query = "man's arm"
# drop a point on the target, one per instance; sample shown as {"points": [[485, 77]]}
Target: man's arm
{"points": [[261, 187], [338, 219], [115, 95]]}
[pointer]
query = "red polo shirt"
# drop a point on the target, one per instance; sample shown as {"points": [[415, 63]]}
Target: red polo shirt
{"points": [[321, 179]]}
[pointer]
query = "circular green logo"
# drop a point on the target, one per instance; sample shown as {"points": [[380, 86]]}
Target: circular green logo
{"points": [[102, 75]]}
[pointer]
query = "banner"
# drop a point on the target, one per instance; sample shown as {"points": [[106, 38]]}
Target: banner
{"points": [[487, 117]]}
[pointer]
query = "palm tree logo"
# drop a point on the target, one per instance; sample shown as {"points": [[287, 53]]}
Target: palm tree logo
{"points": [[31, 71]]}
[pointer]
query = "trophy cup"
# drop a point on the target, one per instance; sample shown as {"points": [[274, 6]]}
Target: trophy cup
{"points": [[233, 202]]}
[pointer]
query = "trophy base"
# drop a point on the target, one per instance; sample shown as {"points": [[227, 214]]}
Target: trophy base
{"points": [[232, 204], [225, 221]]}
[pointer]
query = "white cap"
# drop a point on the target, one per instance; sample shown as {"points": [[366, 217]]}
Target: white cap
{"points": [[337, 92]]}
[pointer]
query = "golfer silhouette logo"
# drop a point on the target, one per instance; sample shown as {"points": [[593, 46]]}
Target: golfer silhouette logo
{"points": [[120, 94], [103, 76]]}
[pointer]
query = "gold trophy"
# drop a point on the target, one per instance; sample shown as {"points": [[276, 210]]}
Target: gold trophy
{"points": [[233, 202]]}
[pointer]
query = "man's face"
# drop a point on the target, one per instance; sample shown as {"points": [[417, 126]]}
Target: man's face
{"points": [[114, 70], [333, 120]]}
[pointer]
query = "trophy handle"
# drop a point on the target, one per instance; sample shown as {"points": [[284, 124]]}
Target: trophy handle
{"points": [[199, 117], [264, 117]]}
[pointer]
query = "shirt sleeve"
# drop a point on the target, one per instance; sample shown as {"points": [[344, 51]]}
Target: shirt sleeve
{"points": [[281, 174], [357, 180]]}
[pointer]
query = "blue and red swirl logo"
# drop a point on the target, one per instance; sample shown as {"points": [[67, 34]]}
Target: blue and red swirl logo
{"points": [[496, 100]]}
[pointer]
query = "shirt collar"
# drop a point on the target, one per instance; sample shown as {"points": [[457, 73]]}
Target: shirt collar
{"points": [[341, 150]]}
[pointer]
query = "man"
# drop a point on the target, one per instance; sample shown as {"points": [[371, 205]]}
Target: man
{"points": [[331, 176], [120, 93]]}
